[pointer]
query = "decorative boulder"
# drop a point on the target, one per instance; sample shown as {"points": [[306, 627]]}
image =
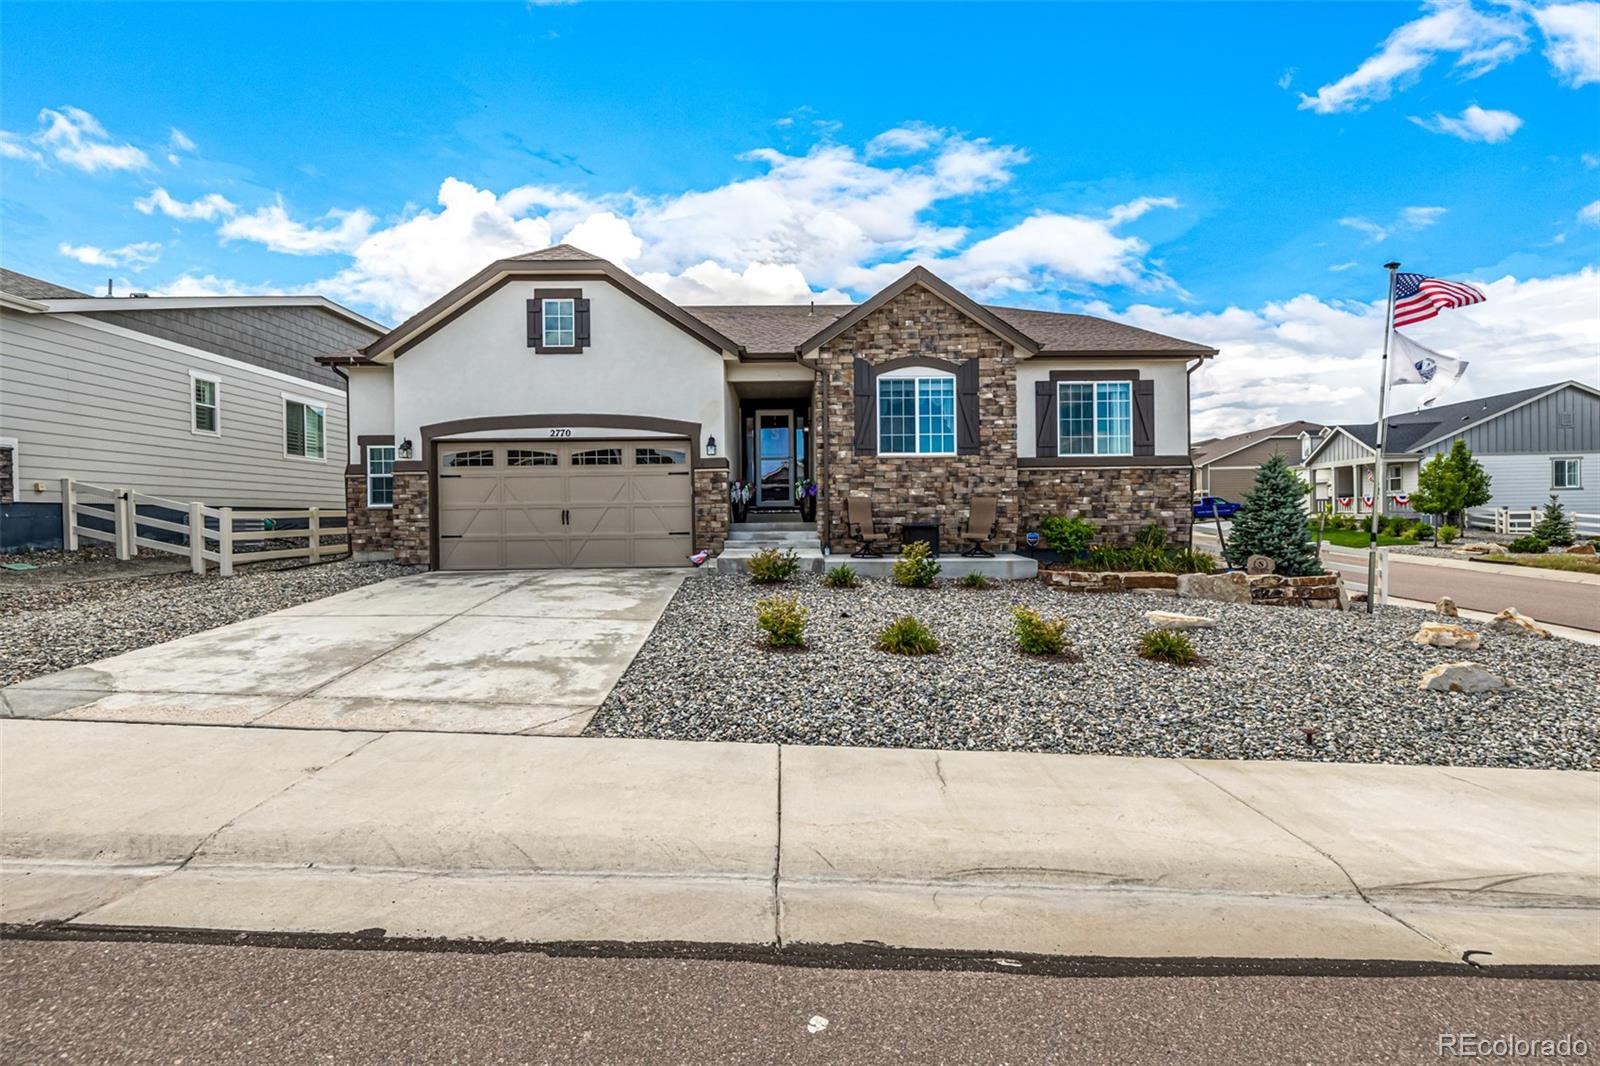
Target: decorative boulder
{"points": [[1581, 549], [1512, 620], [1469, 678], [1446, 606], [1476, 548], [1260, 564], [1445, 635], [1224, 588], [1170, 620]]}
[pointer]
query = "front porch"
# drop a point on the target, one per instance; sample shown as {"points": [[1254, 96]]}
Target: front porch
{"points": [[1348, 488]]}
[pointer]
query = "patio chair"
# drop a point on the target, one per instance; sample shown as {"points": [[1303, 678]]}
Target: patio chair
{"points": [[859, 514], [982, 523]]}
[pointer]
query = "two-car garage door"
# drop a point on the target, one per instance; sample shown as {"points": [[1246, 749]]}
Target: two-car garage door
{"points": [[537, 504]]}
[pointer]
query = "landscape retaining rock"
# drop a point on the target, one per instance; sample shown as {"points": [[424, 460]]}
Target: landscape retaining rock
{"points": [[1219, 588], [1171, 620], [1112, 580], [1464, 677]]}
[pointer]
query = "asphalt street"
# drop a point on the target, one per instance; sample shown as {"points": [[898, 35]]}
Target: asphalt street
{"points": [[115, 1002]]}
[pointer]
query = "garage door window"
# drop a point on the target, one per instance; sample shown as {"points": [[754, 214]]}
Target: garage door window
{"points": [[482, 457], [598, 457], [660, 457], [530, 457]]}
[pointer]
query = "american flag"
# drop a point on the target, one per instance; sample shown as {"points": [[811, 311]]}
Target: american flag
{"points": [[1418, 297]]}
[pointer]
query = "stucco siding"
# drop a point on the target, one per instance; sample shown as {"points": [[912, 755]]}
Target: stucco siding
{"points": [[98, 404], [1171, 397], [638, 363], [371, 405]]}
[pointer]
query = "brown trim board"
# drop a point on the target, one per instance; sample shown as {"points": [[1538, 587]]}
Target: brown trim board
{"points": [[1070, 461]]}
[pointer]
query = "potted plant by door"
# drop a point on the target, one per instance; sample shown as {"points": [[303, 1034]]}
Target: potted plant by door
{"points": [[805, 494], [739, 494]]}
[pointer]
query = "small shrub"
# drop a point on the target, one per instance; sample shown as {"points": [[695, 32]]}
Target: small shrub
{"points": [[784, 621], [1448, 534], [907, 636], [1192, 561], [1069, 536], [769, 566], [1529, 545], [1151, 536], [841, 577], [973, 581], [916, 568], [1411, 534], [1167, 646], [1037, 635], [1148, 557]]}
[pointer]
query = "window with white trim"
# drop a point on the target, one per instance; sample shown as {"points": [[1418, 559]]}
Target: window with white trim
{"points": [[302, 429], [560, 318], [1094, 418], [916, 413], [205, 414], [380, 475], [1396, 478], [1566, 473]]}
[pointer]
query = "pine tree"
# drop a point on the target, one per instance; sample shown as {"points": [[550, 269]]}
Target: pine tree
{"points": [[1554, 527], [1272, 522]]}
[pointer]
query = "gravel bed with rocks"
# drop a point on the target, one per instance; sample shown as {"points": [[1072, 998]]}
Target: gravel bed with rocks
{"points": [[1280, 683], [45, 627]]}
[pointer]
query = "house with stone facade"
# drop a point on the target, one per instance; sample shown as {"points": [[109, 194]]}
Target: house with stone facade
{"points": [[553, 411]]}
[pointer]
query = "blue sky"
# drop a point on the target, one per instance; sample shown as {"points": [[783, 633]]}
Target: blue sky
{"points": [[1232, 173]]}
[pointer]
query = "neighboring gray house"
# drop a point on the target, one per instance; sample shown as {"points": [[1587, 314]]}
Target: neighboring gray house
{"points": [[1226, 466], [1533, 443], [216, 399]]}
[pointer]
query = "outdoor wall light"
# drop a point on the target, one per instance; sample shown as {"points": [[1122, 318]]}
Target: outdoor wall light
{"points": [[711, 447], [405, 448]]}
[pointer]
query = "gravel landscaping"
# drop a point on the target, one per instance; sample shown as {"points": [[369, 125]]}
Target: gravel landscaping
{"points": [[50, 625], [1279, 684]]}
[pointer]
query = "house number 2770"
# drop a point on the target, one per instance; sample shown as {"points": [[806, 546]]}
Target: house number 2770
{"points": [[561, 432]]}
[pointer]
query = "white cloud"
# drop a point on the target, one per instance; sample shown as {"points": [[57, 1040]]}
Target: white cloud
{"points": [[207, 208], [178, 142], [1572, 40], [1314, 359], [13, 146], [141, 254], [606, 235], [1479, 41], [1410, 220], [211, 285], [904, 140], [1473, 124], [1340, 268], [758, 283], [1286, 79], [77, 139], [272, 226], [1589, 215]]}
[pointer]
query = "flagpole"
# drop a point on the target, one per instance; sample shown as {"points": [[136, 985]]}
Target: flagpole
{"points": [[1379, 474]]}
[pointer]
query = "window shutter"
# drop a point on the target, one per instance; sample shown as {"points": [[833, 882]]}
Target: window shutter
{"points": [[1044, 419], [535, 323], [866, 412], [1144, 417], [580, 314], [967, 408]]}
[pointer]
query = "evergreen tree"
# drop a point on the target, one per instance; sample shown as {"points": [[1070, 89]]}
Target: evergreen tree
{"points": [[1451, 482], [1272, 522], [1554, 526]]}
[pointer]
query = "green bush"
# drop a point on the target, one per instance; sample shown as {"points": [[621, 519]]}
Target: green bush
{"points": [[1069, 536], [1167, 646], [907, 636], [841, 577], [1529, 545], [1151, 536], [769, 566], [1036, 635], [1554, 526], [973, 581], [1192, 561], [1448, 534], [784, 621], [916, 568], [1411, 534]]}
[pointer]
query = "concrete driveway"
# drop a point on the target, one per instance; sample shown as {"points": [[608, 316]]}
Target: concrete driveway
{"points": [[523, 652]]}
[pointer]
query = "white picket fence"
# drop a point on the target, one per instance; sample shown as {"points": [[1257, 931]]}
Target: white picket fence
{"points": [[1514, 523], [209, 534]]}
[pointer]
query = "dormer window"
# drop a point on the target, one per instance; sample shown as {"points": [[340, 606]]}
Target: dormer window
{"points": [[560, 323]]}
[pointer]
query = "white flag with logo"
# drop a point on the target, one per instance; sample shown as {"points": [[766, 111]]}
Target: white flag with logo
{"points": [[1412, 364]]}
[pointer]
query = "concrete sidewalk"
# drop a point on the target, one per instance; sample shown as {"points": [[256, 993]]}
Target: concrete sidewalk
{"points": [[559, 838]]}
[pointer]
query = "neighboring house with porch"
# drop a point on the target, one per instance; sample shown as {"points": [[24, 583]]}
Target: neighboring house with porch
{"points": [[1533, 443], [217, 399], [554, 411], [1226, 466]]}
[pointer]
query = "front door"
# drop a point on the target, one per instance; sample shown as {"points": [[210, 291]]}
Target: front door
{"points": [[774, 458]]}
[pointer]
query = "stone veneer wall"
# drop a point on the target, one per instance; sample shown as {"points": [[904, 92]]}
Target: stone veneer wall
{"points": [[1119, 499], [8, 475], [409, 518], [371, 529], [711, 508], [924, 488]]}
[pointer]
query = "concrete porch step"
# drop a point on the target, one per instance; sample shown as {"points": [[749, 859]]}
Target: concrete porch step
{"points": [[735, 557], [743, 536], [773, 527]]}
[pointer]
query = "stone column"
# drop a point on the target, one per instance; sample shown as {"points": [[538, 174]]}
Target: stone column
{"points": [[711, 515]]}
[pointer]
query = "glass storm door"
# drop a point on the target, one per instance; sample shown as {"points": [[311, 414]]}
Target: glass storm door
{"points": [[775, 458]]}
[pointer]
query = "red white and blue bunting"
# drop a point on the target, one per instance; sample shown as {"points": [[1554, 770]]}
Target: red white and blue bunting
{"points": [[1366, 501], [1401, 499], [1346, 501]]}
